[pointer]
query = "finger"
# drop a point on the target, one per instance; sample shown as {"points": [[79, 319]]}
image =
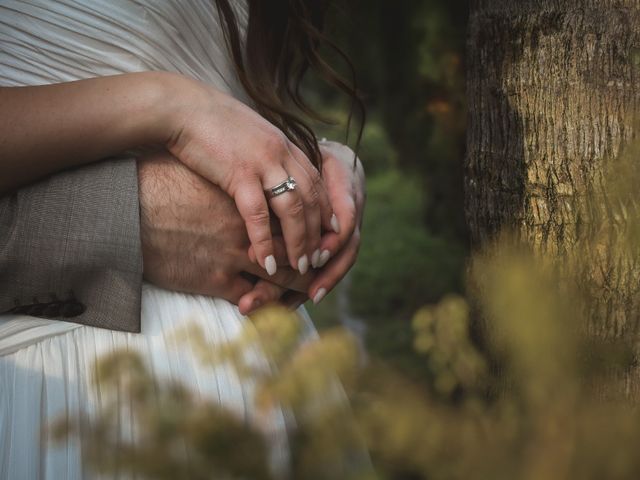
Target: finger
{"points": [[285, 277], [279, 251], [335, 270], [331, 243], [344, 205], [254, 210], [310, 197], [236, 287], [263, 292], [326, 210], [341, 181], [289, 208]]}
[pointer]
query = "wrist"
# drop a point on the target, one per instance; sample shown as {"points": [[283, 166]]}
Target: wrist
{"points": [[161, 102], [172, 97]]}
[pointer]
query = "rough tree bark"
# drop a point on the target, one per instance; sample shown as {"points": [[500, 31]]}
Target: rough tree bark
{"points": [[554, 97]]}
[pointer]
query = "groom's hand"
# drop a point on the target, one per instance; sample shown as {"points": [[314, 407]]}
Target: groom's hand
{"points": [[193, 238]]}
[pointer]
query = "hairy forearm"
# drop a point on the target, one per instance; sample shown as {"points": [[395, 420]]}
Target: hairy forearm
{"points": [[44, 129]]}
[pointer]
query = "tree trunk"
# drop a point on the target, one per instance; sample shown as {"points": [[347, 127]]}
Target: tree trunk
{"points": [[554, 95]]}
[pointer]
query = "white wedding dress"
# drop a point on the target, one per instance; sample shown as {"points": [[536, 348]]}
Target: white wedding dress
{"points": [[45, 365]]}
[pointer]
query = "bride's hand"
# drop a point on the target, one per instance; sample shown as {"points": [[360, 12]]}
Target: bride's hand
{"points": [[346, 186], [346, 189], [235, 148]]}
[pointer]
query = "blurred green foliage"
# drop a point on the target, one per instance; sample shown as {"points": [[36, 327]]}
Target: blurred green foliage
{"points": [[401, 265], [409, 61]]}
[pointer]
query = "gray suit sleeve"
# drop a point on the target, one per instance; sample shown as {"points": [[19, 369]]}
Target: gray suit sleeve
{"points": [[70, 247]]}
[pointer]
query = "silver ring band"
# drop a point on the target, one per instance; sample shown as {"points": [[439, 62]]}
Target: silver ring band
{"points": [[287, 186]]}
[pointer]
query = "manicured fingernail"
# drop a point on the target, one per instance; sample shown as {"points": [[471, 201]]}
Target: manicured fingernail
{"points": [[303, 264], [334, 223], [270, 265], [324, 258], [319, 296], [315, 258]]}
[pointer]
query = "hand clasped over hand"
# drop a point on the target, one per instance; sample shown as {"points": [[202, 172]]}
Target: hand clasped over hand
{"points": [[345, 184], [235, 148], [194, 239]]}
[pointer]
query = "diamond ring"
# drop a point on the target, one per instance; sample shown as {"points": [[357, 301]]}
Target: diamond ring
{"points": [[287, 186]]}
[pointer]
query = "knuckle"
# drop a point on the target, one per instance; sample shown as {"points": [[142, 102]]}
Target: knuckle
{"points": [[237, 176], [218, 279], [241, 168], [275, 144], [262, 244], [313, 198], [316, 180], [295, 208], [258, 216], [249, 200]]}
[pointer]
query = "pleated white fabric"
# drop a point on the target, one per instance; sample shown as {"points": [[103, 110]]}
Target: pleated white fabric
{"points": [[52, 377], [46, 366], [49, 41]]}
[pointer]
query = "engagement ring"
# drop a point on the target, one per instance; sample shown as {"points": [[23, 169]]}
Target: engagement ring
{"points": [[287, 186]]}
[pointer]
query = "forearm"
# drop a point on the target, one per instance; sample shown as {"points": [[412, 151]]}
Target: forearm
{"points": [[44, 129]]}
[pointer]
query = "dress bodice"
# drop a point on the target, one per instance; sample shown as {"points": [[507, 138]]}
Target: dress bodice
{"points": [[46, 41]]}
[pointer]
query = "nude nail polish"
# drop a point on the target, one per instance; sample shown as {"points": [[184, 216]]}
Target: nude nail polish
{"points": [[270, 265], [315, 258], [324, 258], [319, 296], [335, 224], [303, 264]]}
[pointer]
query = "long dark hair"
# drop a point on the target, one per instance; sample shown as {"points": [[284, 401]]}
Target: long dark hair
{"points": [[282, 43]]}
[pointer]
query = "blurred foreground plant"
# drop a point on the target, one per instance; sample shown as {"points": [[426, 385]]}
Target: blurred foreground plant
{"points": [[527, 410]]}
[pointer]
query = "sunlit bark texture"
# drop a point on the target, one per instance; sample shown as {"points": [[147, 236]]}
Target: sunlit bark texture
{"points": [[554, 97]]}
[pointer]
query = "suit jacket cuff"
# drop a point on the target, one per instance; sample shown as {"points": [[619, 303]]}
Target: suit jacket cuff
{"points": [[70, 247]]}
